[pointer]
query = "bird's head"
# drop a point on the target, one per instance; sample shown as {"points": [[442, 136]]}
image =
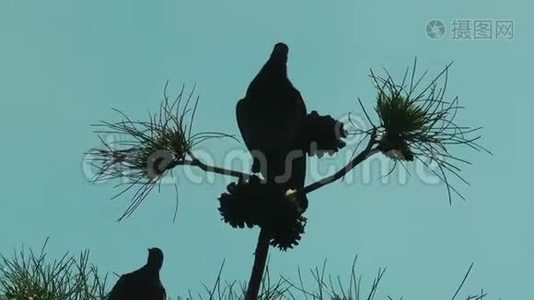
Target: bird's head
{"points": [[274, 70], [155, 258], [280, 52]]}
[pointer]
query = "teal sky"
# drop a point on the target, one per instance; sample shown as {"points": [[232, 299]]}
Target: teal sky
{"points": [[65, 64]]}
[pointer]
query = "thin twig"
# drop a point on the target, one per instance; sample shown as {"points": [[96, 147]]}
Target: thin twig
{"points": [[366, 153]]}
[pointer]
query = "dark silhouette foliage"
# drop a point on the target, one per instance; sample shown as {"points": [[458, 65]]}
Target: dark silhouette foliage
{"points": [[266, 205]]}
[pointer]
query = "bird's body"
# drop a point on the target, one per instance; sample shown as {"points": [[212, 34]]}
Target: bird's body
{"points": [[270, 118], [142, 284]]}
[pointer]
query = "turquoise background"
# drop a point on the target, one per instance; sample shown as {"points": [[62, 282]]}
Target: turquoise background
{"points": [[65, 64]]}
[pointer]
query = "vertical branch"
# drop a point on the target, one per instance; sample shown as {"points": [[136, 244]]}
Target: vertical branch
{"points": [[262, 248], [260, 258]]}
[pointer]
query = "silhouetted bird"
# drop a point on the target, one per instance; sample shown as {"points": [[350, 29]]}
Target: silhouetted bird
{"points": [[143, 284], [270, 119]]}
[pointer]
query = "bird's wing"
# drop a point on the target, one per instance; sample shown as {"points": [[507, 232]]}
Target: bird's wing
{"points": [[260, 131], [300, 112], [118, 292], [154, 291], [161, 294], [244, 123]]}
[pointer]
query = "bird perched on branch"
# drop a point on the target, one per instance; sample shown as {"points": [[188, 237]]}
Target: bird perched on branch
{"points": [[143, 284], [270, 119]]}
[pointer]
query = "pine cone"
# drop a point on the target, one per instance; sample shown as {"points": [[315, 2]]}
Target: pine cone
{"points": [[266, 205], [322, 134]]}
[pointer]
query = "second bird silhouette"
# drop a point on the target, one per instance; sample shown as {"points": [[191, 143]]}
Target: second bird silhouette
{"points": [[142, 284], [270, 118]]}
